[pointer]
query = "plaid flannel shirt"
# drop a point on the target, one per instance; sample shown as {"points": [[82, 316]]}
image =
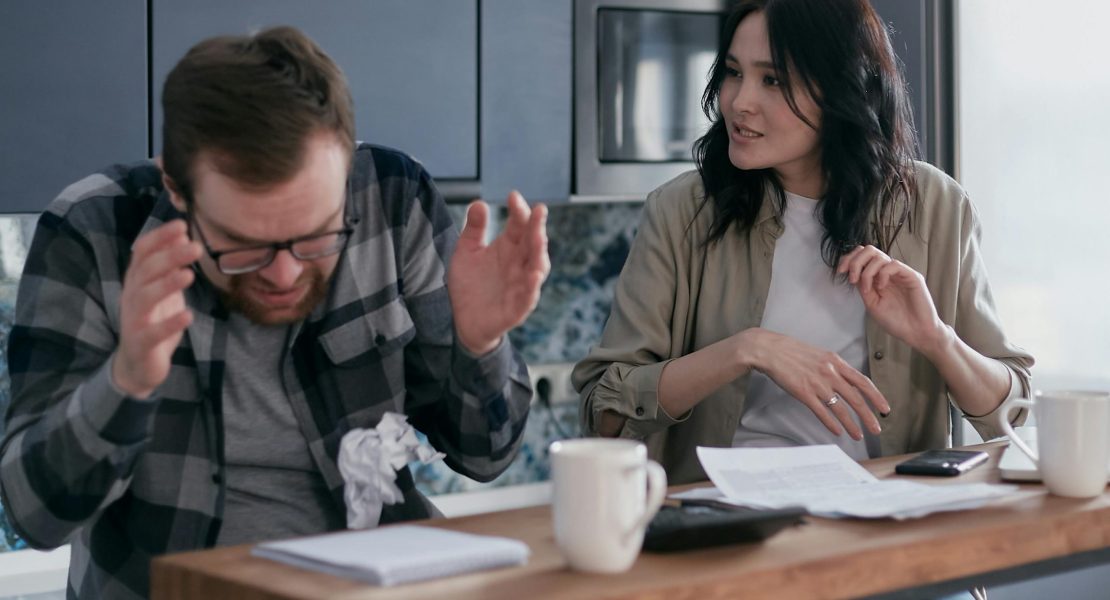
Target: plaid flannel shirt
{"points": [[124, 480]]}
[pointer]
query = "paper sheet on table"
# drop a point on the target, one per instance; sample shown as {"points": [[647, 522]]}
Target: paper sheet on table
{"points": [[828, 483], [396, 554]]}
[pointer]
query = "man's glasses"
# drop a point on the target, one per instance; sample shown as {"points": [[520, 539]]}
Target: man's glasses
{"points": [[253, 258]]}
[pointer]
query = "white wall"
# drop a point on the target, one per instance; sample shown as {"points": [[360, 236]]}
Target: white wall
{"points": [[30, 573]]}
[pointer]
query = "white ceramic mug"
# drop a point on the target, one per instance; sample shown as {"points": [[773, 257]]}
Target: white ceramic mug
{"points": [[1073, 439], [606, 492]]}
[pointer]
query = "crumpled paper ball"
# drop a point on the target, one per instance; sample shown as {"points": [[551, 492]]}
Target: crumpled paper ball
{"points": [[369, 460]]}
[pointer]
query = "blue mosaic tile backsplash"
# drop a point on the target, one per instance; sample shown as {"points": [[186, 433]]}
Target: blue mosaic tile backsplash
{"points": [[588, 246], [15, 237]]}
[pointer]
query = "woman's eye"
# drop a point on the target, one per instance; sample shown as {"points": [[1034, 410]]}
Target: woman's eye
{"points": [[771, 80], [732, 72]]}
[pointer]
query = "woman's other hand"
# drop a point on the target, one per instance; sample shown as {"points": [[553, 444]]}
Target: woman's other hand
{"points": [[896, 297]]}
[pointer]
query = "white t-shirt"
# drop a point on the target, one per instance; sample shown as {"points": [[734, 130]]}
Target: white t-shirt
{"points": [[806, 303]]}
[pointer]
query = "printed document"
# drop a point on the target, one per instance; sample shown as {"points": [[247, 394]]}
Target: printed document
{"points": [[828, 483]]}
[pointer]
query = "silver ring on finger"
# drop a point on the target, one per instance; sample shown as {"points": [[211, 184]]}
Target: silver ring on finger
{"points": [[832, 401]]}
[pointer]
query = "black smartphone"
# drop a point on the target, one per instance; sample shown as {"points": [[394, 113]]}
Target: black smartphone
{"points": [[944, 463]]}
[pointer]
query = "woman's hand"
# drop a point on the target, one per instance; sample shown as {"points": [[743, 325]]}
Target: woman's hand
{"points": [[814, 376], [896, 297]]}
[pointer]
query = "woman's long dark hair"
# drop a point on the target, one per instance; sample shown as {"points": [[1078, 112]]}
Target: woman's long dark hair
{"points": [[839, 52]]}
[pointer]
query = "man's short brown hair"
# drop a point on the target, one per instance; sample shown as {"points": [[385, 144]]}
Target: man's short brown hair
{"points": [[250, 103]]}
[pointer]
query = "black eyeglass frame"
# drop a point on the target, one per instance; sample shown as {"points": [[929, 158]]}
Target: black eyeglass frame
{"points": [[275, 247]]}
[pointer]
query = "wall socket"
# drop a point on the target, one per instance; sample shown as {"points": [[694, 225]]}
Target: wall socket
{"points": [[555, 378]]}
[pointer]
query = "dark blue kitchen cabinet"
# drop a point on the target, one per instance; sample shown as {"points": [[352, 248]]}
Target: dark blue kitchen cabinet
{"points": [[73, 94], [526, 98], [412, 64]]}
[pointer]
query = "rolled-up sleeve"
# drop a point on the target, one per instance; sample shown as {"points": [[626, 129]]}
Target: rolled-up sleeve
{"points": [[621, 374], [978, 324]]}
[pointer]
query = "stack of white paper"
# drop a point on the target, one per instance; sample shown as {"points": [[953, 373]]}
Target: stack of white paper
{"points": [[828, 483], [395, 555]]}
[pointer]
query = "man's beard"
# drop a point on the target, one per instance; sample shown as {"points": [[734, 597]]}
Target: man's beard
{"points": [[237, 299]]}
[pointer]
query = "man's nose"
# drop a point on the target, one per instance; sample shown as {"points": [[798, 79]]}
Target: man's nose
{"points": [[283, 271]]}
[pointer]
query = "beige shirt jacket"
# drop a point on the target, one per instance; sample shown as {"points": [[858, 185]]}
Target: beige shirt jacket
{"points": [[675, 297]]}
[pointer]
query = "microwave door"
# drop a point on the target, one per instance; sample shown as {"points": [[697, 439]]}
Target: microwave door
{"points": [[652, 71], [641, 67]]}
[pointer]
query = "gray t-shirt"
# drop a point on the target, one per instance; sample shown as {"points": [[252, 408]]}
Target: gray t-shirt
{"points": [[807, 304], [274, 489]]}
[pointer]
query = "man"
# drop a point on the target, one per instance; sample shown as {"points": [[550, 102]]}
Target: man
{"points": [[192, 342]]}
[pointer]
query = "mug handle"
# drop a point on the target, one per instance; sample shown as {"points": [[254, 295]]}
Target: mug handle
{"points": [[657, 490], [1015, 439]]}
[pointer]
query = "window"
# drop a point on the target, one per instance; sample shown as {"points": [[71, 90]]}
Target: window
{"points": [[1034, 148]]}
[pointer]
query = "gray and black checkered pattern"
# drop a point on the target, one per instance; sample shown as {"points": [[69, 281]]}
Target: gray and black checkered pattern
{"points": [[124, 480]]}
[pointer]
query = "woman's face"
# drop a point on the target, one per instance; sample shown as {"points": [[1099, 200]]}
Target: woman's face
{"points": [[763, 132]]}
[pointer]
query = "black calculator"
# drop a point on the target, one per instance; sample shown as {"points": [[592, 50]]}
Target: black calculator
{"points": [[705, 523]]}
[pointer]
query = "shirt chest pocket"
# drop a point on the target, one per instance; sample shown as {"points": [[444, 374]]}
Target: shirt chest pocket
{"points": [[373, 337]]}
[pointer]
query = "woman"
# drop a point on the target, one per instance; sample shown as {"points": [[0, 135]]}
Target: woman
{"points": [[810, 275]]}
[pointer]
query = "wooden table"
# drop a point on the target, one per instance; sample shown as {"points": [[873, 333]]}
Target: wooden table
{"points": [[1030, 535]]}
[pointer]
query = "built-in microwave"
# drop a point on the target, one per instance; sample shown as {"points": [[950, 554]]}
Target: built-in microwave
{"points": [[640, 68]]}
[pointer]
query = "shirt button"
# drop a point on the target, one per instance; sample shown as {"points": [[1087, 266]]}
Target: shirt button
{"points": [[878, 355], [379, 339], [639, 411], [217, 478]]}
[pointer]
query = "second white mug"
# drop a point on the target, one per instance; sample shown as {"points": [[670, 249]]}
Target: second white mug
{"points": [[1073, 439]]}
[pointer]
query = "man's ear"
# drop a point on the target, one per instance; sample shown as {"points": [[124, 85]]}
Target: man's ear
{"points": [[175, 196]]}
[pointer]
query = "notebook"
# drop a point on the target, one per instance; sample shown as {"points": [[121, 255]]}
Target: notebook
{"points": [[395, 555], [1015, 465]]}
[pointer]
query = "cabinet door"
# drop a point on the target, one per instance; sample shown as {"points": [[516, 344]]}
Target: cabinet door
{"points": [[526, 98], [412, 64], [73, 94]]}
